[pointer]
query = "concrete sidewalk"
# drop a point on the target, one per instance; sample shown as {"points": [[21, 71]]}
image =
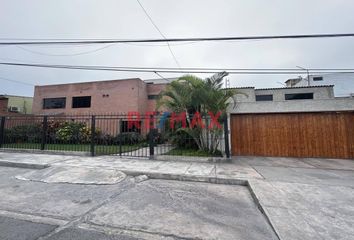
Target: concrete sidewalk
{"points": [[301, 198]]}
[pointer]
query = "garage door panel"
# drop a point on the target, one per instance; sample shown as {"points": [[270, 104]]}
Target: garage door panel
{"points": [[293, 135]]}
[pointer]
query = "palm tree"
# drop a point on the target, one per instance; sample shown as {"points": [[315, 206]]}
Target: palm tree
{"points": [[190, 94]]}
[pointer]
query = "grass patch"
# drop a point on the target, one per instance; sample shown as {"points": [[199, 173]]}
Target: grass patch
{"points": [[191, 152], [100, 149]]}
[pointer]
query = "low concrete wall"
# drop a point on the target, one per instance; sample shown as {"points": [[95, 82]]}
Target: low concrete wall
{"points": [[323, 105]]}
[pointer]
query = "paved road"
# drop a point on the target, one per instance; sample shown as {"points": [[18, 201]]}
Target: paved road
{"points": [[128, 210], [302, 198]]}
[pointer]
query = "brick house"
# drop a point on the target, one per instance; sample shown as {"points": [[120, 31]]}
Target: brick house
{"points": [[100, 97], [110, 97]]}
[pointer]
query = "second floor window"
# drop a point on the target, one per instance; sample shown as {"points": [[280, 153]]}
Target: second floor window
{"points": [[298, 96], [264, 97], [81, 102], [52, 103]]}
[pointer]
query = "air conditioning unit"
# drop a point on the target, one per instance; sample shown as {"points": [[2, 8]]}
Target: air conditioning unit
{"points": [[14, 109]]}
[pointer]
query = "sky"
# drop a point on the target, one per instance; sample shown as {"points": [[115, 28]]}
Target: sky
{"points": [[124, 19]]}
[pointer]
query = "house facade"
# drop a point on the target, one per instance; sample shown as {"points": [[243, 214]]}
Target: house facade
{"points": [[12, 105], [97, 98], [343, 82], [297, 122]]}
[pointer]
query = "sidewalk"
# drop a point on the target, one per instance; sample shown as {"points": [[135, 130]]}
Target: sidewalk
{"points": [[231, 173]]}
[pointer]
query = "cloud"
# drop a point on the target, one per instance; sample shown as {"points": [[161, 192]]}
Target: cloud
{"points": [[184, 18]]}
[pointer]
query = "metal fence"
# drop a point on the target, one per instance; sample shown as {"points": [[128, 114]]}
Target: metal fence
{"points": [[121, 135]]}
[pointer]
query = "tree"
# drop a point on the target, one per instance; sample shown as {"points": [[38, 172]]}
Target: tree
{"points": [[192, 95]]}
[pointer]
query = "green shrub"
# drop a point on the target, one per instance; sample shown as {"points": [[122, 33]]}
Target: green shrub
{"points": [[182, 140], [73, 132], [24, 133], [129, 138]]}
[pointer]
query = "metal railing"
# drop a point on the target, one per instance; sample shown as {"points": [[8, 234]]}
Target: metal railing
{"points": [[121, 135]]}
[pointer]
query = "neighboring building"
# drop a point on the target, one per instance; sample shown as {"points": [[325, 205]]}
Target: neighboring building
{"points": [[100, 97], [292, 122], [343, 82], [10, 104], [295, 99]]}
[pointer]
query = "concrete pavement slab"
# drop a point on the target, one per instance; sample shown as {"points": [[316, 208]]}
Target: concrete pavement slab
{"points": [[82, 234], [61, 201], [233, 171], [186, 210], [307, 175], [307, 211], [15, 229], [201, 169], [336, 164], [27, 160], [77, 175], [273, 161]]}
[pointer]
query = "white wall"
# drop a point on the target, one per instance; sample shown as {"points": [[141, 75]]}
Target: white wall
{"points": [[343, 83]]}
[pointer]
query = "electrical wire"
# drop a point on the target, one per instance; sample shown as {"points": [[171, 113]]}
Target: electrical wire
{"points": [[16, 81], [158, 29], [64, 55], [166, 70], [201, 39]]}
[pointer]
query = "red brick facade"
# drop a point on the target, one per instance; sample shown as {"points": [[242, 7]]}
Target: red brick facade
{"points": [[114, 96]]}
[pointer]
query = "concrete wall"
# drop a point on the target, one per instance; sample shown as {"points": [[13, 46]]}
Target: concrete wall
{"points": [[323, 101], [116, 96], [341, 104], [343, 83]]}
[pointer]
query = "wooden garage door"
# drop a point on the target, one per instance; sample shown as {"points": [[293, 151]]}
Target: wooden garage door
{"points": [[329, 135]]}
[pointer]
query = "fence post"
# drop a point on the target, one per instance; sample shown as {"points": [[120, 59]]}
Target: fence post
{"points": [[93, 133], [151, 139], [2, 131], [226, 138], [44, 132]]}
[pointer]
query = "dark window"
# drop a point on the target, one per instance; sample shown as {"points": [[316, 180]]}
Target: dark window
{"points": [[51, 103], [264, 97], [81, 102], [297, 96], [153, 97], [317, 78]]}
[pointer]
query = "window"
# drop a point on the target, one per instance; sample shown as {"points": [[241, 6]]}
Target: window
{"points": [[153, 97], [264, 97], [52, 103], [81, 102], [297, 96], [317, 78]]}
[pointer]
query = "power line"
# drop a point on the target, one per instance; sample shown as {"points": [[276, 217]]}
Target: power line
{"points": [[166, 70], [203, 39], [16, 81], [158, 29], [64, 55]]}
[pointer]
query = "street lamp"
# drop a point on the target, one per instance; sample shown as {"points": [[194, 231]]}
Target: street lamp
{"points": [[308, 74]]}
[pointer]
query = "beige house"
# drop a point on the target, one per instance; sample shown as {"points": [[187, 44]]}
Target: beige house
{"points": [[10, 104]]}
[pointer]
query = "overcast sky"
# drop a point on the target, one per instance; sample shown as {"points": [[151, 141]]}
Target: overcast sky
{"points": [[123, 19]]}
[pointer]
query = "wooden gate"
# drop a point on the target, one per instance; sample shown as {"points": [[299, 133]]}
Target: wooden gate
{"points": [[325, 134]]}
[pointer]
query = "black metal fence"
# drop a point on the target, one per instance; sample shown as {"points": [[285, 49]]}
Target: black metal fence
{"points": [[122, 135]]}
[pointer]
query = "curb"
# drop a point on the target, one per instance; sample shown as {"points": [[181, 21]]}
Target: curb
{"points": [[23, 165], [191, 178], [262, 209]]}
